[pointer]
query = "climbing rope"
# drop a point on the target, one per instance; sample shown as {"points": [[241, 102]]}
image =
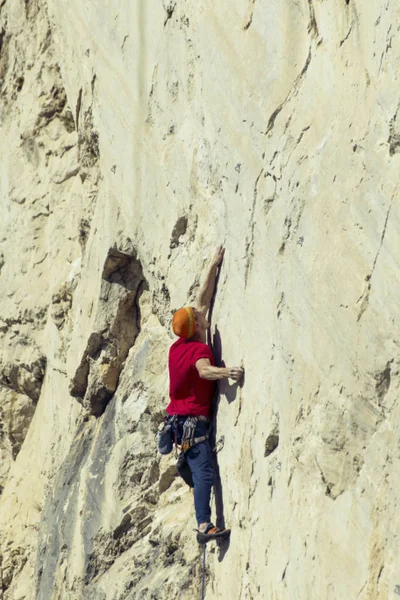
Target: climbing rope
{"points": [[203, 571]]}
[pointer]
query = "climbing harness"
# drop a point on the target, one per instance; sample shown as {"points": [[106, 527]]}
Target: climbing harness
{"points": [[203, 571], [166, 440]]}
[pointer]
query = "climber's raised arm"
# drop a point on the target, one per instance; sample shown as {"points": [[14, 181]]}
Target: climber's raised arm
{"points": [[207, 289]]}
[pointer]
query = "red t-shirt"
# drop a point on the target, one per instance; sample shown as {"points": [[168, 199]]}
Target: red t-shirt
{"points": [[189, 394]]}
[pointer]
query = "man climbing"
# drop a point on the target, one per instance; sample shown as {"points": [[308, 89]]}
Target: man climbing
{"points": [[193, 374]]}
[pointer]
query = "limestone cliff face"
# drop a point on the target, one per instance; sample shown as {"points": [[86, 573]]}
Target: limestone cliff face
{"points": [[135, 138]]}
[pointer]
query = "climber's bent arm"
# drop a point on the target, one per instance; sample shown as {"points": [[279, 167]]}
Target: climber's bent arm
{"points": [[207, 371]]}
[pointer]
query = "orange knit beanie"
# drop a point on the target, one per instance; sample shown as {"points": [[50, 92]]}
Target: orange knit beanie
{"points": [[184, 322]]}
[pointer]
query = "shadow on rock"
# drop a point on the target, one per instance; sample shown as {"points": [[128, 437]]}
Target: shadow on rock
{"points": [[229, 390], [217, 442]]}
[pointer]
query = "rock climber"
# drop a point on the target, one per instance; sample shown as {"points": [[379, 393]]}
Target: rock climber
{"points": [[193, 375]]}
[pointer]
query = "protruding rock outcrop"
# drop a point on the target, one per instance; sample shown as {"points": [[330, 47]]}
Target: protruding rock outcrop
{"points": [[117, 325]]}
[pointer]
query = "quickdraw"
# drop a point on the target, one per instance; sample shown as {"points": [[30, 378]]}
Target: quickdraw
{"points": [[189, 428], [188, 434]]}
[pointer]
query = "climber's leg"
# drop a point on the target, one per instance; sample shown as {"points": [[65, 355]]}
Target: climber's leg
{"points": [[200, 463]]}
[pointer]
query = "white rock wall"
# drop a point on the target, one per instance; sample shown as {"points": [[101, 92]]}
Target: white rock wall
{"points": [[152, 132]]}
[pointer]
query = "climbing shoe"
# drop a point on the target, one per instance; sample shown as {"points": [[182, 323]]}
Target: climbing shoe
{"points": [[212, 533]]}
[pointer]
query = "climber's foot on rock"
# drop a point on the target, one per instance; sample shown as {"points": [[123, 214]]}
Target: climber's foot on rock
{"points": [[212, 533]]}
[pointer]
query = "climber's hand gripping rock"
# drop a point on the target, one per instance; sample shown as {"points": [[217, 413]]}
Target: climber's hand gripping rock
{"points": [[236, 373]]}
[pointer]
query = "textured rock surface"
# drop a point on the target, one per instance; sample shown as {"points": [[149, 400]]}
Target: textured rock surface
{"points": [[135, 137]]}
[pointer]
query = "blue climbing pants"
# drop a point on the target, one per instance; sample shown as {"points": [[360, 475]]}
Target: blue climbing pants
{"points": [[200, 462]]}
